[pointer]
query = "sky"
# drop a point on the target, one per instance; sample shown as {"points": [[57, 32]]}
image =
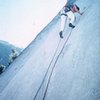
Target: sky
{"points": [[22, 20]]}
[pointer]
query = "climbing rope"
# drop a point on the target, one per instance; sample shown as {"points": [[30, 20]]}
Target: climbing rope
{"points": [[46, 71], [54, 66]]}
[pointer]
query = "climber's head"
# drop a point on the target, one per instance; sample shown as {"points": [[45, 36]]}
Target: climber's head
{"points": [[75, 8]]}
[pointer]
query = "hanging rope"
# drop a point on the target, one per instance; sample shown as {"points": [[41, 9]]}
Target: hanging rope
{"points": [[46, 72], [54, 66]]}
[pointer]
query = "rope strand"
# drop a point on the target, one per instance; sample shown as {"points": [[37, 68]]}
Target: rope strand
{"points": [[46, 72], [54, 66]]}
